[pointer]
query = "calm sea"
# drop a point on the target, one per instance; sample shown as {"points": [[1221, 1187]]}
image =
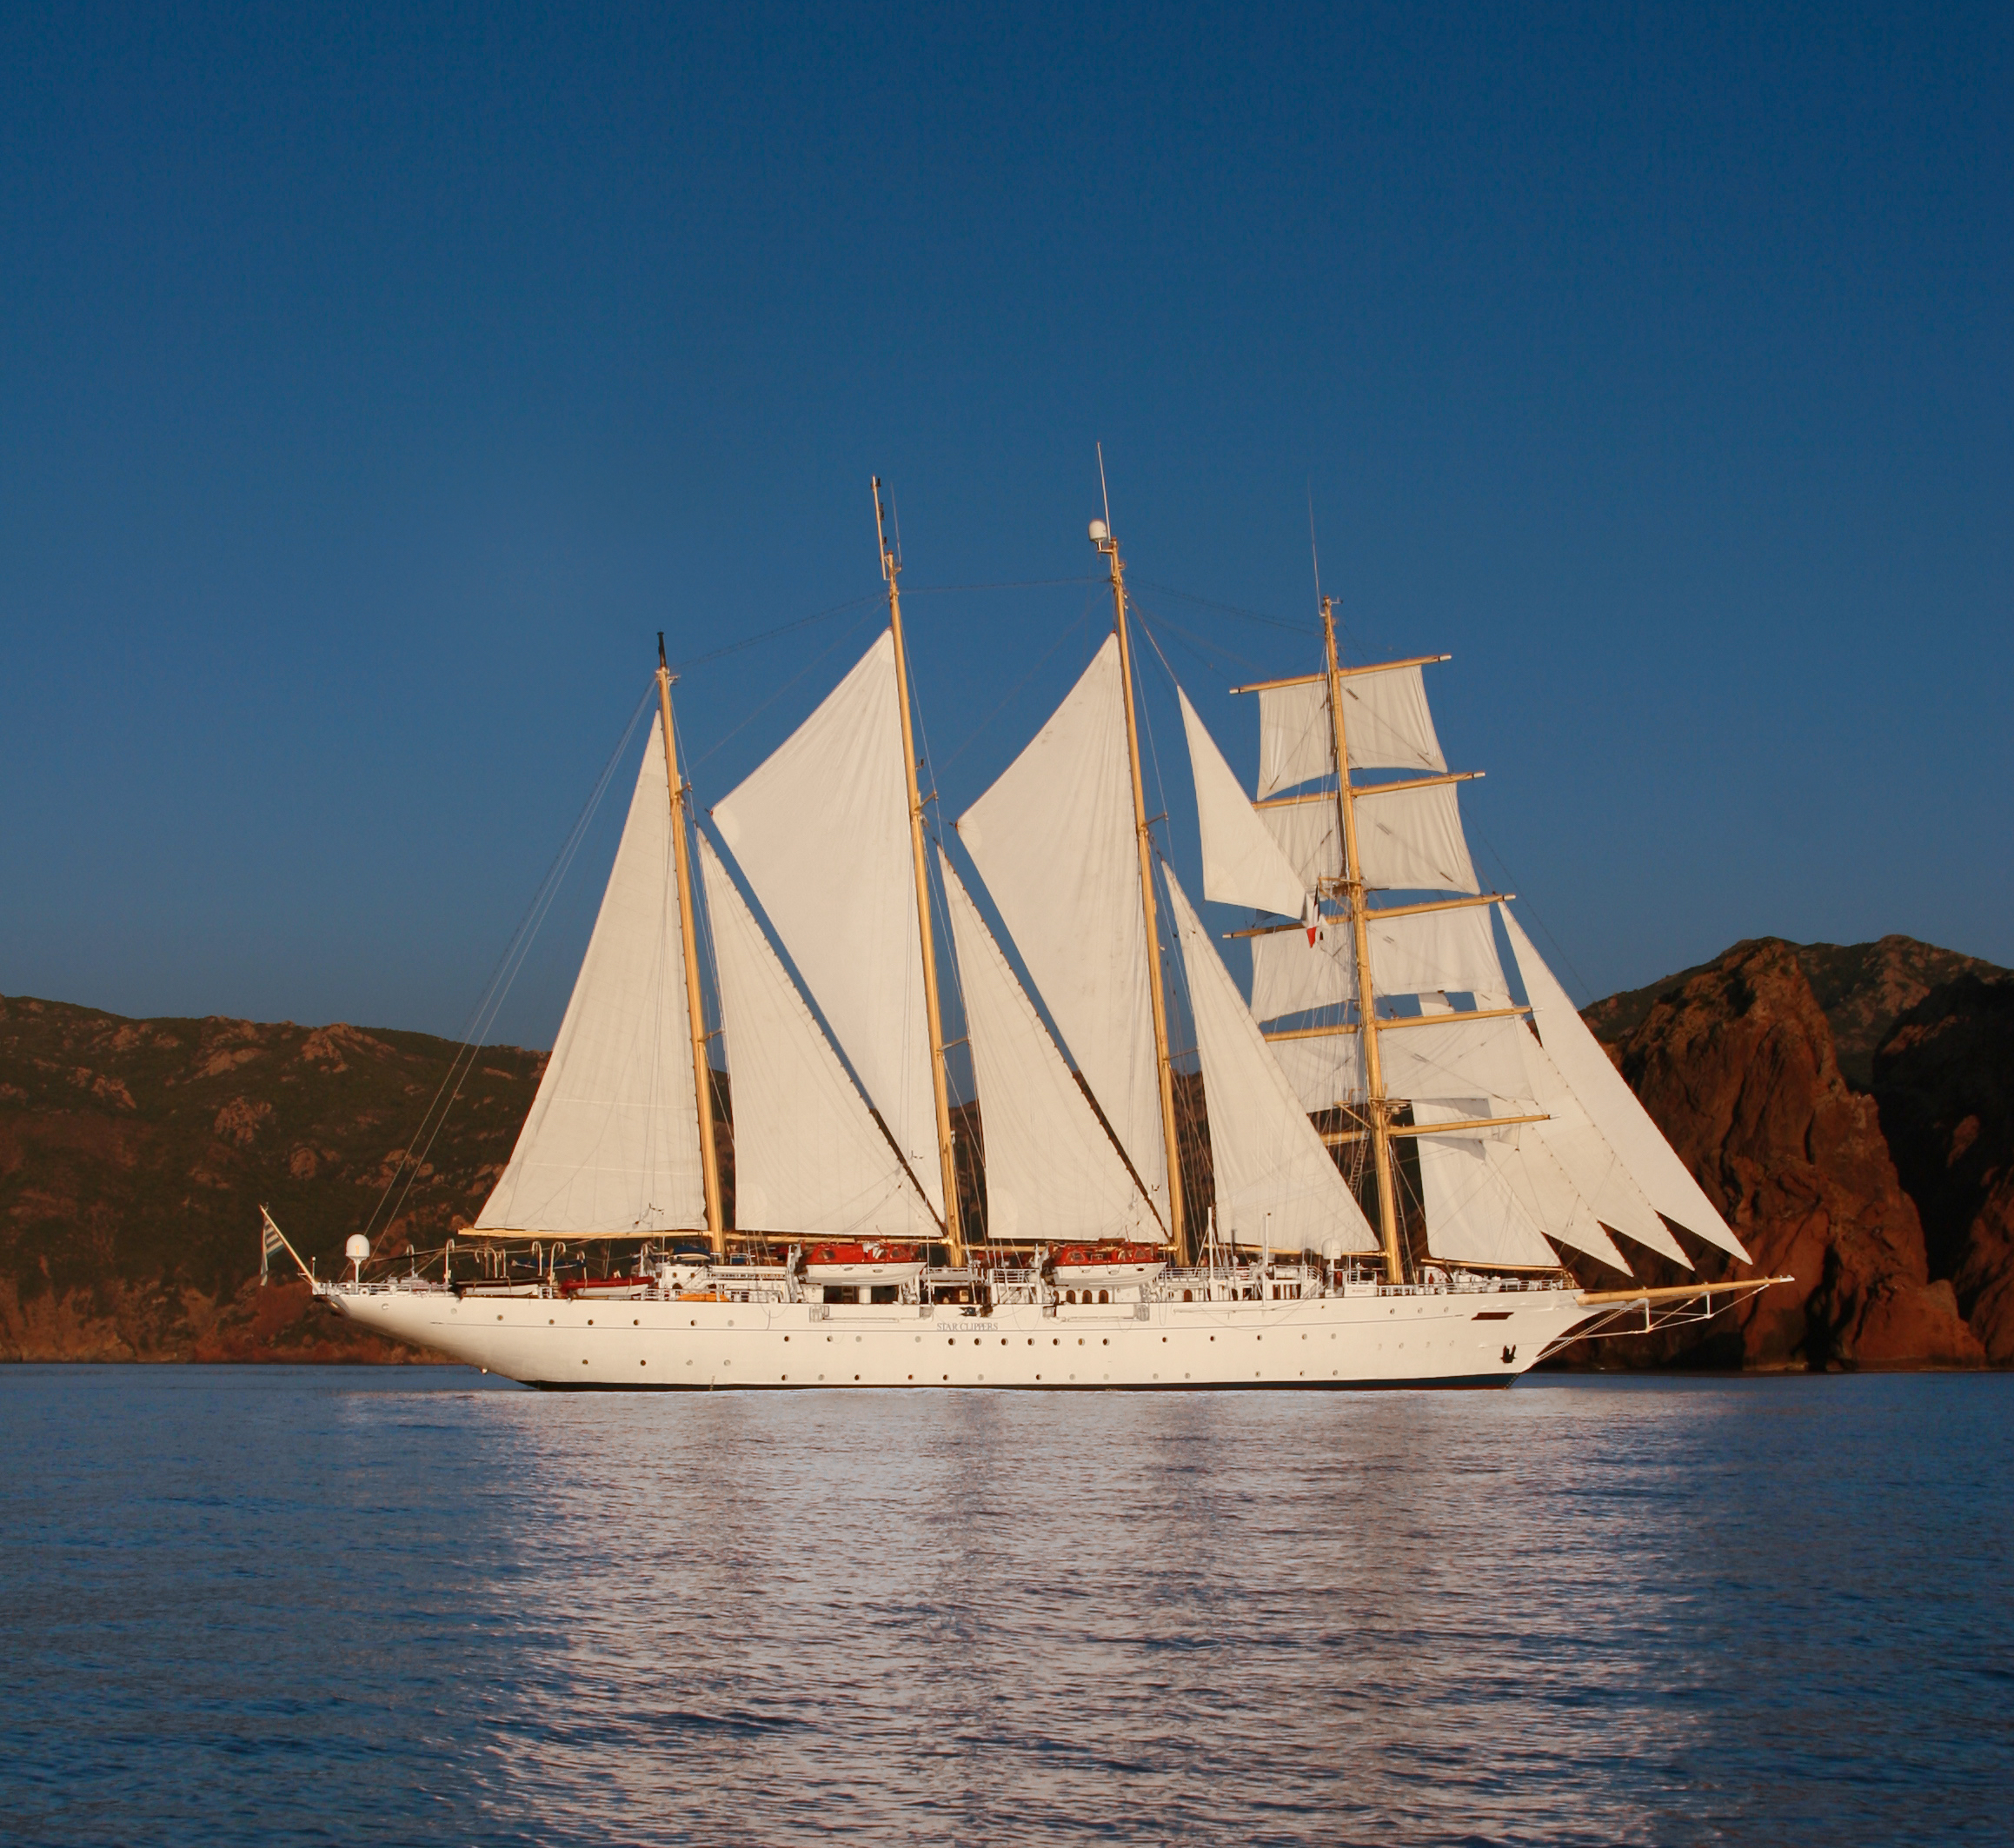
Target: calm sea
{"points": [[267, 1606]]}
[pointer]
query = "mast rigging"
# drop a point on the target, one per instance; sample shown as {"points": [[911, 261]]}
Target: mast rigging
{"points": [[940, 1082], [1143, 829], [1375, 1110], [688, 938]]}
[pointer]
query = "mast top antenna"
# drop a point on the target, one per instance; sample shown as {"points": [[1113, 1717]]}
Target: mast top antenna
{"points": [[891, 553]]}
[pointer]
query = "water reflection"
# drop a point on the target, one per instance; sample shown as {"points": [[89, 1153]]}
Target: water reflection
{"points": [[1602, 1612]]}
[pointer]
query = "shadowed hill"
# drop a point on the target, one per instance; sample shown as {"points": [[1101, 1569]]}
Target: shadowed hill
{"points": [[134, 1155]]}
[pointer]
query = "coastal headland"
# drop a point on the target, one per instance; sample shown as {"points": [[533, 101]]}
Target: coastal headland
{"points": [[1849, 1108]]}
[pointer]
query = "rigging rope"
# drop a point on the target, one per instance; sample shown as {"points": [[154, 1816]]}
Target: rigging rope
{"points": [[502, 979], [972, 737], [1229, 609], [770, 635]]}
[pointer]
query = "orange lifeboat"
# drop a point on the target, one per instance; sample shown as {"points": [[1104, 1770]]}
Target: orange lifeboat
{"points": [[851, 1261], [609, 1287], [1114, 1260]]}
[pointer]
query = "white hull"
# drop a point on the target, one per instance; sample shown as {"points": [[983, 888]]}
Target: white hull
{"points": [[1414, 1338]]}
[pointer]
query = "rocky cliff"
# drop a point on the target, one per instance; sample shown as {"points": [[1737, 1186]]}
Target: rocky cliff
{"points": [[1749, 1063], [1944, 1078]]}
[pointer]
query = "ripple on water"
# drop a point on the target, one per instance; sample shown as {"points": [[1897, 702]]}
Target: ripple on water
{"points": [[276, 1605]]}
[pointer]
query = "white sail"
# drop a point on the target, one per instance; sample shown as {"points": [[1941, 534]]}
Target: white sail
{"points": [[1387, 722], [1310, 834], [1385, 716], [1549, 1197], [1411, 839], [809, 1156], [611, 1143], [1473, 1214], [1454, 951], [1413, 952], [1052, 1171], [1297, 742], [1291, 975], [1452, 1057], [1448, 1056], [1322, 1072], [821, 830], [1275, 1181], [1054, 839], [1610, 1104], [1593, 1168], [1241, 863]]}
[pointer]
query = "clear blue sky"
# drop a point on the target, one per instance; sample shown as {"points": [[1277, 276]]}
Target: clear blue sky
{"points": [[375, 383]]}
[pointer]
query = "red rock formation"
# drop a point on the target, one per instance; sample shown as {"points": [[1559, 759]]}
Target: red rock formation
{"points": [[1737, 1066], [1944, 1081]]}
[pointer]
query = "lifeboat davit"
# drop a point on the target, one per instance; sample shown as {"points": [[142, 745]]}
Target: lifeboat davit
{"points": [[1115, 1261], [848, 1260]]}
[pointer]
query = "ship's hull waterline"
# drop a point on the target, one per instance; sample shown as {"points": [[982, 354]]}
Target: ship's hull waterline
{"points": [[1414, 1338]]}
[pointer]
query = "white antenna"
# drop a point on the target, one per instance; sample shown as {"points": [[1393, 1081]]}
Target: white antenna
{"points": [[1103, 491], [1312, 552]]}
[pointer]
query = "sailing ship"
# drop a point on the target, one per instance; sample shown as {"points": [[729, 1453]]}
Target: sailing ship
{"points": [[1384, 1147]]}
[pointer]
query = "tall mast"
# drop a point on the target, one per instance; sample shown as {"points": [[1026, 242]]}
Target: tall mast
{"points": [[1102, 537], [939, 1083], [1380, 1124], [702, 1068]]}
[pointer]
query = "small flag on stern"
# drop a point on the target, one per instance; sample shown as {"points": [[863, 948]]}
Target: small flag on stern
{"points": [[272, 1239]]}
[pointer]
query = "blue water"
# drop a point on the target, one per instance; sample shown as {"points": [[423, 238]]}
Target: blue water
{"points": [[267, 1605]]}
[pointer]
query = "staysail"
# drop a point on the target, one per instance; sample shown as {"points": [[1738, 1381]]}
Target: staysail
{"points": [[809, 1156], [1610, 1104], [1052, 1170], [1473, 1214], [611, 1143], [821, 830], [1276, 1183], [1584, 1155], [1242, 864], [1053, 838]]}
